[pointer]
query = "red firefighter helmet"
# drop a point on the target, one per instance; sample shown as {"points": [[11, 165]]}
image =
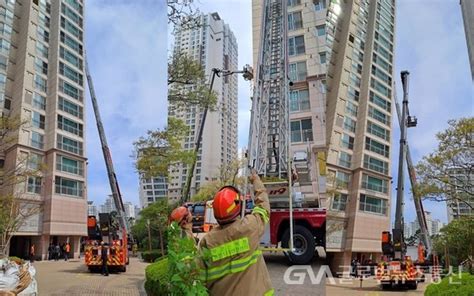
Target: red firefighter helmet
{"points": [[226, 204], [179, 214]]}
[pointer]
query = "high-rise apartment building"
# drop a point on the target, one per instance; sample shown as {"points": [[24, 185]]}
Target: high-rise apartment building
{"points": [[92, 209], [467, 8], [307, 62], [152, 190], [358, 126], [460, 203], [42, 83], [213, 44]]}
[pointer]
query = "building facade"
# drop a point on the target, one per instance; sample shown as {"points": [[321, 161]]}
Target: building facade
{"points": [[92, 209], [152, 190], [213, 45], [42, 83], [358, 127], [467, 9], [460, 203]]}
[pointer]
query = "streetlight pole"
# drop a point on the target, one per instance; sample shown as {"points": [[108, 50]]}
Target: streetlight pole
{"points": [[248, 75]]}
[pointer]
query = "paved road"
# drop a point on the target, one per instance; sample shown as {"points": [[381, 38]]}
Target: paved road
{"points": [[369, 288], [72, 278], [277, 266]]}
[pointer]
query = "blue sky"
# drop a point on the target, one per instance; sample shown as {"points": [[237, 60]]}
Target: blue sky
{"points": [[127, 47]]}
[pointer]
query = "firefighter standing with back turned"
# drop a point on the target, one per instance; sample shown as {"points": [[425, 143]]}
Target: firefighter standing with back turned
{"points": [[184, 218], [236, 265]]}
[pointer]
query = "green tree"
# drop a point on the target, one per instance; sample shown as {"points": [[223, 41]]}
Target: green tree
{"points": [[457, 240], [447, 173], [155, 217], [160, 149], [16, 207]]}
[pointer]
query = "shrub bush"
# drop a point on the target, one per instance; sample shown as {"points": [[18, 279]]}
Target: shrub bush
{"points": [[156, 275], [463, 286], [151, 256]]}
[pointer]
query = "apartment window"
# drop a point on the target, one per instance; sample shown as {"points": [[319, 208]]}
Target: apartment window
{"points": [[68, 165], [381, 75], [41, 50], [70, 126], [344, 159], [301, 130], [356, 68], [70, 90], [381, 62], [351, 108], [295, 21], [71, 43], [45, 6], [379, 101], [378, 131], [68, 187], [39, 101], [75, 4], [294, 2], [349, 124], [70, 57], [70, 28], [41, 83], [37, 120], [34, 161], [379, 116], [342, 180], [4, 46], [34, 185], [296, 45], [67, 144], [374, 184], [354, 80], [383, 41], [372, 204], [3, 80], [43, 19], [321, 30], [377, 147], [42, 34], [70, 73], [41, 66], [298, 71], [70, 107], [382, 51], [71, 14], [339, 202], [353, 94], [37, 140], [375, 164], [3, 63], [322, 57], [319, 4], [5, 29], [6, 14], [299, 100], [347, 141]]}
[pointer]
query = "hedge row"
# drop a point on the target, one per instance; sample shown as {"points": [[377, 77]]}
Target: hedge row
{"points": [[151, 256], [463, 286], [156, 277]]}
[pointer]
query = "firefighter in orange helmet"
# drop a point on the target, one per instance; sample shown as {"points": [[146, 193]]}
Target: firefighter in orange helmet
{"points": [[184, 218], [234, 265]]}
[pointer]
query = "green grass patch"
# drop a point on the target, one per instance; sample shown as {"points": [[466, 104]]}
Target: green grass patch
{"points": [[453, 286]]}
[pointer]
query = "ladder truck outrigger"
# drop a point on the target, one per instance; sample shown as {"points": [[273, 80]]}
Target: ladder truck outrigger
{"points": [[397, 268], [112, 229], [294, 229]]}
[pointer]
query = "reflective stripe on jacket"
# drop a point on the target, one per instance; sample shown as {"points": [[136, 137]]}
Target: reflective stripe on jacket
{"points": [[235, 265]]}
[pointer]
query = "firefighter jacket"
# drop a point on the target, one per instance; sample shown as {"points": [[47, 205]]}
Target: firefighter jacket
{"points": [[187, 231], [233, 263]]}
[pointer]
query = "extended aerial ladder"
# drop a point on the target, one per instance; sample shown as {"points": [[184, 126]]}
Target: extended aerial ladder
{"points": [[116, 237]]}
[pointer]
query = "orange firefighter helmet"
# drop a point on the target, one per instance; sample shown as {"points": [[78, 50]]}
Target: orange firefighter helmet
{"points": [[226, 204], [179, 214]]}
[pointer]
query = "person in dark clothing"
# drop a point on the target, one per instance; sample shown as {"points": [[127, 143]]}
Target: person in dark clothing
{"points": [[57, 252], [104, 255], [50, 252]]}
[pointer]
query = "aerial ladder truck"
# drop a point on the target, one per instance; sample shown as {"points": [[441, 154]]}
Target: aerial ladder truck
{"points": [[112, 229], [397, 268], [293, 228]]}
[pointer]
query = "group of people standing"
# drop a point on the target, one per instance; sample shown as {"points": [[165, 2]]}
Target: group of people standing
{"points": [[57, 251]]}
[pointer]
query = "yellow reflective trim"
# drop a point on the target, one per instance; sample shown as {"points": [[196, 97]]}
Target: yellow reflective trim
{"points": [[231, 248], [234, 266], [230, 208], [262, 212], [269, 292]]}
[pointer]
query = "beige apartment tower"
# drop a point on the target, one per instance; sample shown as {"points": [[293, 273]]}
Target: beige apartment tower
{"points": [[358, 125], [42, 82]]}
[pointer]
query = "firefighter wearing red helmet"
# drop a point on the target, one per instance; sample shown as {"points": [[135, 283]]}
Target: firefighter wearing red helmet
{"points": [[234, 265], [183, 217]]}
